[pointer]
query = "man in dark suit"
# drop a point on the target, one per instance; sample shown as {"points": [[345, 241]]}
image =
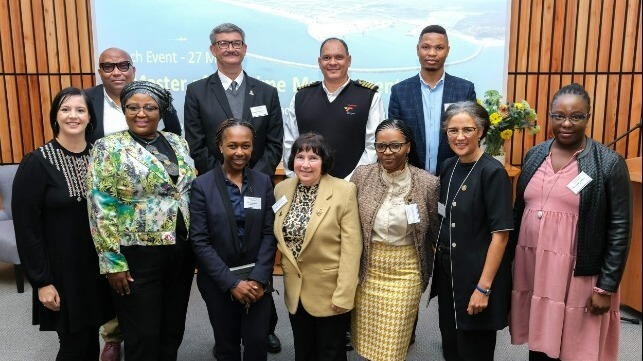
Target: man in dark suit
{"points": [[421, 99], [231, 93], [116, 70]]}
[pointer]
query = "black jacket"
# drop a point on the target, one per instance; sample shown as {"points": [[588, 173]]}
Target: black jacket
{"points": [[605, 214]]}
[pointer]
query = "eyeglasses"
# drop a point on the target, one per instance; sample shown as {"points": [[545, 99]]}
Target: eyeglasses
{"points": [[468, 132], [394, 147], [574, 118], [109, 67], [224, 44], [135, 109]]}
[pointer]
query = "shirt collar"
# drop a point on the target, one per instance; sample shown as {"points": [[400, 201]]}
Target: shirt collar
{"points": [[337, 91], [111, 101], [225, 81], [436, 84]]}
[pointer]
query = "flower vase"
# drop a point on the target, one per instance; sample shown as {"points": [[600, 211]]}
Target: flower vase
{"points": [[500, 158]]}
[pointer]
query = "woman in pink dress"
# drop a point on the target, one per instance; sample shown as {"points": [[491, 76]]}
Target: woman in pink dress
{"points": [[573, 218]]}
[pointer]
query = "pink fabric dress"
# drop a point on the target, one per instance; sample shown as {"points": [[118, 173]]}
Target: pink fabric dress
{"points": [[547, 301]]}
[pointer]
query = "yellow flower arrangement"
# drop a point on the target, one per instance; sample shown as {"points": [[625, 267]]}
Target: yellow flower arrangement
{"points": [[505, 118]]}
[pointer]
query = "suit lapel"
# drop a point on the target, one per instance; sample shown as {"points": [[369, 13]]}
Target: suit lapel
{"points": [[251, 214], [289, 192], [219, 94], [320, 209], [249, 100], [98, 98], [447, 92], [219, 179], [186, 172], [139, 153], [416, 95]]}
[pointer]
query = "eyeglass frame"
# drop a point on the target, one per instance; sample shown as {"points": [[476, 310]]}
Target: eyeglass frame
{"points": [[127, 63], [462, 130], [389, 146], [134, 109], [574, 118], [229, 43]]}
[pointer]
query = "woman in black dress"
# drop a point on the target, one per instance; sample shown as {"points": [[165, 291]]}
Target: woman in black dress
{"points": [[52, 231], [470, 260]]}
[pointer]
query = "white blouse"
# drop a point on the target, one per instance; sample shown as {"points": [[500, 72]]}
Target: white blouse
{"points": [[391, 224]]}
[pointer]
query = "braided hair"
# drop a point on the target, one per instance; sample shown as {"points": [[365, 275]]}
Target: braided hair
{"points": [[232, 122], [407, 133], [573, 89]]}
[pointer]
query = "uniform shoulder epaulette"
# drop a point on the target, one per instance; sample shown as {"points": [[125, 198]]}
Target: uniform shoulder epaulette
{"points": [[315, 83], [366, 84]]}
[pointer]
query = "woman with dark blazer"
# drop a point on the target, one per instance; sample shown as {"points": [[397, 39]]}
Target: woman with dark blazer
{"points": [[398, 207], [318, 232], [472, 274], [231, 228]]}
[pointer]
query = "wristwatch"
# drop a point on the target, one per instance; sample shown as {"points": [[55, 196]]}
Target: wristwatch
{"points": [[483, 291]]}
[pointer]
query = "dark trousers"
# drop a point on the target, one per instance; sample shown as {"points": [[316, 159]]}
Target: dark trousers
{"points": [[273, 313], [79, 346], [152, 316], [233, 323], [540, 356], [318, 338], [457, 344]]}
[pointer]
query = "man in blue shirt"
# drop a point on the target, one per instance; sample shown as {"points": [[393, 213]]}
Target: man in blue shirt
{"points": [[420, 100]]}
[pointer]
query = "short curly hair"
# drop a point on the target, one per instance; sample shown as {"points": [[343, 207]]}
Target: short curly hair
{"points": [[316, 143]]}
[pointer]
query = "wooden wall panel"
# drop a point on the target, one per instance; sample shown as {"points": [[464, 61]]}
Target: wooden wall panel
{"points": [[596, 43], [47, 45]]}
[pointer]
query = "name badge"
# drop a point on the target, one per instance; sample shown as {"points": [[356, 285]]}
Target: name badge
{"points": [[252, 202], [577, 184], [280, 203], [446, 106], [442, 209], [259, 111], [412, 214]]}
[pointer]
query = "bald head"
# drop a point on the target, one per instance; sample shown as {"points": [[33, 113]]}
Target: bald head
{"points": [[115, 80]]}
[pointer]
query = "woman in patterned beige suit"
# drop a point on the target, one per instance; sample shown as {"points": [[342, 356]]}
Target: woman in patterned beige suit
{"points": [[318, 233], [398, 212]]}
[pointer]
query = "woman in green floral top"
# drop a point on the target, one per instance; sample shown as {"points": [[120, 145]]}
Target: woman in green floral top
{"points": [[139, 188]]}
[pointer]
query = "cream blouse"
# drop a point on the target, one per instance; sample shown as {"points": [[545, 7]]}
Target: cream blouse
{"points": [[391, 225]]}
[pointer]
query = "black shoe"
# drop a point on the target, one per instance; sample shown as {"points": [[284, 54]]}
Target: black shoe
{"points": [[273, 344], [349, 345], [412, 341]]}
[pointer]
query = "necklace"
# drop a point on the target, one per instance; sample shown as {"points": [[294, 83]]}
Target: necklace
{"points": [[170, 167], [144, 140], [539, 213]]}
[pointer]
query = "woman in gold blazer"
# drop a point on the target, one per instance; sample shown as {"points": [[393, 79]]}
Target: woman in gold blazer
{"points": [[399, 214], [318, 232]]}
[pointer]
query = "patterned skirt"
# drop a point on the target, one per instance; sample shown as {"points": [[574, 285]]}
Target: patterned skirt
{"points": [[387, 303]]}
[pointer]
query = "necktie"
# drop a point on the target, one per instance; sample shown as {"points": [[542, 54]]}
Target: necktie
{"points": [[234, 86]]}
